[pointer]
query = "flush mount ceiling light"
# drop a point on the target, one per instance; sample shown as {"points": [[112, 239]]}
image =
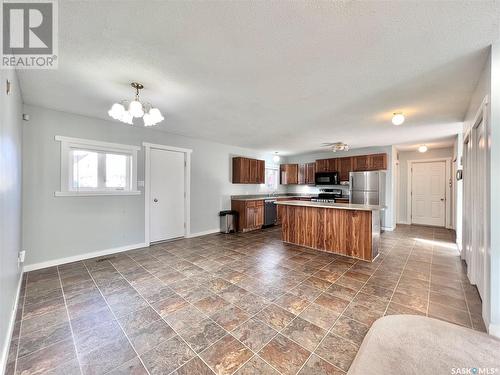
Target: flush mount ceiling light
{"points": [[422, 148], [276, 157], [398, 118], [337, 146], [126, 110]]}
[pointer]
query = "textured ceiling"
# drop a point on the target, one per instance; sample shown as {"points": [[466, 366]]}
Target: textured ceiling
{"points": [[282, 76]]}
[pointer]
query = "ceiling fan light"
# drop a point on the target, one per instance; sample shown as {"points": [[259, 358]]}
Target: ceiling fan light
{"points": [[276, 158], [135, 108], [398, 118], [423, 148]]}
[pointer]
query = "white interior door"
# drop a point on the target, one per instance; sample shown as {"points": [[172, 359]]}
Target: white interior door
{"points": [[429, 193], [167, 195]]}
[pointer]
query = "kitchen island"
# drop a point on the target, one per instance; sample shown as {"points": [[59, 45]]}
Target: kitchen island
{"points": [[346, 229]]}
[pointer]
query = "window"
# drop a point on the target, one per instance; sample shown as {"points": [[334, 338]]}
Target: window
{"points": [[97, 168], [272, 176]]}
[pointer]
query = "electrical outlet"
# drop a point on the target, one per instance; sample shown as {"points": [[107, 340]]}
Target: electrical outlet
{"points": [[22, 255]]}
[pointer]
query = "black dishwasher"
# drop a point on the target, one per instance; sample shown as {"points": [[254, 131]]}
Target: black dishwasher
{"points": [[270, 212]]}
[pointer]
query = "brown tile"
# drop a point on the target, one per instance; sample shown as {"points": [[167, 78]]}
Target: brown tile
{"points": [[350, 283], [337, 351], [67, 368], [212, 304], [202, 334], [132, 367], [318, 283], [256, 366], [254, 334], [357, 276], [292, 303], [341, 291], [47, 358], [185, 317], [373, 302], [167, 356], [252, 303], [317, 366], [447, 300], [414, 302], [42, 338], [329, 276], [449, 314], [320, 316], [377, 291], [350, 329], [100, 335], [170, 305], [362, 313], [305, 333], [194, 367], [397, 309], [230, 317], [90, 320], [306, 292], [51, 318], [139, 319], [149, 336], [284, 355], [331, 302], [275, 316], [226, 355]]}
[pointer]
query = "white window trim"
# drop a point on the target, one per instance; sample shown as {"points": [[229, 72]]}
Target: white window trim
{"points": [[89, 144]]}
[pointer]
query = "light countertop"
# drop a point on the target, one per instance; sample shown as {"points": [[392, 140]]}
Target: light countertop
{"points": [[256, 198], [342, 206]]}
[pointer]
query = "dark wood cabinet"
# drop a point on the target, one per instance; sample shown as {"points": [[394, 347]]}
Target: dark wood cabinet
{"points": [[248, 171], [361, 163], [322, 165], [250, 214], [373, 162], [344, 167], [302, 174], [289, 174], [310, 173], [378, 162]]}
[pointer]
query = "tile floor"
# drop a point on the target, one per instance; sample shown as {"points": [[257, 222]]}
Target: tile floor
{"points": [[224, 304]]}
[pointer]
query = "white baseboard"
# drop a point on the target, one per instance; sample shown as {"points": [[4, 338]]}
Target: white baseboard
{"points": [[204, 233], [404, 222], [76, 258], [388, 229], [7, 339], [494, 330]]}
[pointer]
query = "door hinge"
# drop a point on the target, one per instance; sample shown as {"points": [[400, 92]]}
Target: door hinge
{"points": [[184, 224], [185, 163]]}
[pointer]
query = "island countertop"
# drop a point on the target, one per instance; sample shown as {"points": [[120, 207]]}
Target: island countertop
{"points": [[342, 206]]}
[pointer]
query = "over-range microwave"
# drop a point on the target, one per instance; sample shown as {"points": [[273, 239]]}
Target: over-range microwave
{"points": [[327, 178]]}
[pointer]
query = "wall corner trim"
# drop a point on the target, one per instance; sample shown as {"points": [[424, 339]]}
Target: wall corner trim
{"points": [[388, 229], [76, 258], [494, 330], [10, 330]]}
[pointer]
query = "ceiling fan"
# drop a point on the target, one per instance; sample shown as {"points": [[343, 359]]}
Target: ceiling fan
{"points": [[337, 146]]}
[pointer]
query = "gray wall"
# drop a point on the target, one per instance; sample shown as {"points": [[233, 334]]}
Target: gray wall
{"points": [[58, 227], [389, 220], [404, 156], [10, 206]]}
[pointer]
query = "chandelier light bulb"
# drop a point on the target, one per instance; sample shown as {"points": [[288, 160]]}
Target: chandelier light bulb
{"points": [[127, 118], [423, 148], [398, 118], [135, 108], [276, 158]]}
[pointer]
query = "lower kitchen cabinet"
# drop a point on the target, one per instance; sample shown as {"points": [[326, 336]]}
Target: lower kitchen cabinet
{"points": [[250, 214]]}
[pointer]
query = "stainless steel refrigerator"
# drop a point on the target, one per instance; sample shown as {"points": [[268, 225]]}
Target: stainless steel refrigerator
{"points": [[368, 188]]}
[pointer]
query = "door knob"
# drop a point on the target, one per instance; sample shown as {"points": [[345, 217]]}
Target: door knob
{"points": [[442, 199], [155, 200]]}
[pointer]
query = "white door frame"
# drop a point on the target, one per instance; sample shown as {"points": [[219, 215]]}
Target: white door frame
{"points": [[448, 189], [147, 186]]}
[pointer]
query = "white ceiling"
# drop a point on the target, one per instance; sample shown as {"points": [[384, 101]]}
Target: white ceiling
{"points": [[432, 144], [282, 76]]}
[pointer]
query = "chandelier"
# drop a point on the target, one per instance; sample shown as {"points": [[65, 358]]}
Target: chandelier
{"points": [[126, 110]]}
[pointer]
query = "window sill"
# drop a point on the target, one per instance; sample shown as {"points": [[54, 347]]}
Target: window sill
{"points": [[94, 193]]}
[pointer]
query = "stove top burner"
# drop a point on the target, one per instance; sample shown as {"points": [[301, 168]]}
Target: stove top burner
{"points": [[328, 195]]}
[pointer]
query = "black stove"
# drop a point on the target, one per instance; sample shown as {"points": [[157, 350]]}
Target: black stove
{"points": [[328, 195]]}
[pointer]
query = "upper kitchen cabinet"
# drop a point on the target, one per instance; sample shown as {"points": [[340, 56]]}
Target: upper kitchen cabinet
{"points": [[373, 162], [310, 173], [289, 174], [302, 174], [327, 165], [248, 171], [344, 167]]}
